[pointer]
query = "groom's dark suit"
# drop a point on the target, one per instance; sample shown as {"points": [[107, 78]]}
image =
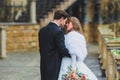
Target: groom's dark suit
{"points": [[52, 49]]}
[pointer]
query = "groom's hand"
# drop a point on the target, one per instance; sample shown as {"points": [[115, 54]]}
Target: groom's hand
{"points": [[69, 55]]}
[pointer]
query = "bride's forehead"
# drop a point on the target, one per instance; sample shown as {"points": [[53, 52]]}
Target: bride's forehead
{"points": [[67, 21]]}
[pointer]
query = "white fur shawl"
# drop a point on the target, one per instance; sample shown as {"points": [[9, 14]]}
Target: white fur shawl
{"points": [[76, 44]]}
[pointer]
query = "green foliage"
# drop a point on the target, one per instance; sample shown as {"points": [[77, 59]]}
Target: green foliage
{"points": [[114, 39], [116, 51]]}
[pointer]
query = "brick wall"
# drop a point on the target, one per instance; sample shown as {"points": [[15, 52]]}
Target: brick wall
{"points": [[21, 38]]}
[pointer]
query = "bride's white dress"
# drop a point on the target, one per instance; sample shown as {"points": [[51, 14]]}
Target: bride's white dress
{"points": [[76, 44]]}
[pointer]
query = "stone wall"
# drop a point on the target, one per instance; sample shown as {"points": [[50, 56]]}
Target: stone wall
{"points": [[21, 38]]}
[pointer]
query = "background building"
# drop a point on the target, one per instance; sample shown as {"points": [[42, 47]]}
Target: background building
{"points": [[23, 18]]}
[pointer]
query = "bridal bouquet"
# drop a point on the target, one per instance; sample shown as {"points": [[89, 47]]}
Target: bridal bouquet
{"points": [[74, 75]]}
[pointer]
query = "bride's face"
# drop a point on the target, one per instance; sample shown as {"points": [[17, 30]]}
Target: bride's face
{"points": [[69, 26]]}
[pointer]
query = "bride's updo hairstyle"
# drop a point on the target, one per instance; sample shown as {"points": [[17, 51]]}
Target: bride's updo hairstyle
{"points": [[76, 24]]}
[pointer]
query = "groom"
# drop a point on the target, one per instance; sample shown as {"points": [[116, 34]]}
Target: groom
{"points": [[52, 46]]}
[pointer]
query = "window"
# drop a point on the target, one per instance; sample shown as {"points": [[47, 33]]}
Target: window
{"points": [[15, 10]]}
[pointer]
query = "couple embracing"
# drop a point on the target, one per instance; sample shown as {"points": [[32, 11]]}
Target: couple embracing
{"points": [[60, 49]]}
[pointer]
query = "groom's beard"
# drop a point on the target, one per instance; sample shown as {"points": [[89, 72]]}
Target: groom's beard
{"points": [[64, 29], [62, 26]]}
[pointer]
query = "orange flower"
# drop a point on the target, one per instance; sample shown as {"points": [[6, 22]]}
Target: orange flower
{"points": [[72, 76]]}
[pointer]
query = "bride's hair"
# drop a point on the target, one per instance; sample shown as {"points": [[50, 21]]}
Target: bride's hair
{"points": [[76, 24]]}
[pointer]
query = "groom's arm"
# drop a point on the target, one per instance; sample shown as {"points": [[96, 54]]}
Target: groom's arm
{"points": [[59, 40]]}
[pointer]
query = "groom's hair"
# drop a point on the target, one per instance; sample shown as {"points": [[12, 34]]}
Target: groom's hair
{"points": [[60, 13]]}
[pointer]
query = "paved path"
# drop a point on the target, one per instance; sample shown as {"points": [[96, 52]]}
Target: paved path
{"points": [[92, 60], [20, 66], [25, 66]]}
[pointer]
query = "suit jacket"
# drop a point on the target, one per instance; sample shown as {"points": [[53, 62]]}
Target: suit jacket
{"points": [[52, 49]]}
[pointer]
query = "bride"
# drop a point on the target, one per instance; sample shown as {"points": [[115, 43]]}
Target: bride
{"points": [[76, 44]]}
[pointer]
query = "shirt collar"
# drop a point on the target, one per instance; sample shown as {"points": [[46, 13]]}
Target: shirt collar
{"points": [[55, 23]]}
